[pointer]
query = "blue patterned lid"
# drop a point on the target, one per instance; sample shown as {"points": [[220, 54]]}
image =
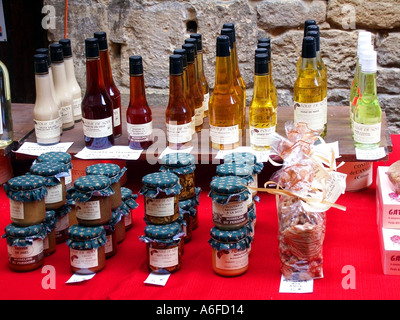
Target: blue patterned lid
{"points": [[24, 236], [169, 234], [225, 189], [56, 156], [232, 239], [178, 163], [86, 238], [92, 185], [50, 220], [165, 182], [246, 158], [51, 171], [128, 198], [110, 170], [26, 188], [241, 170], [62, 211]]}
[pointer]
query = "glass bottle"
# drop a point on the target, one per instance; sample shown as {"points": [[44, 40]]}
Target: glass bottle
{"points": [[71, 79], [109, 84], [309, 100], [178, 115], [46, 114], [225, 106], [202, 77], [307, 23], [368, 113], [262, 112], [273, 92], [61, 87], [6, 124], [139, 120], [97, 106]]}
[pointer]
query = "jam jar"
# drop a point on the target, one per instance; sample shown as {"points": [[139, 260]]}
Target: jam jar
{"points": [[163, 244], [111, 234], [230, 251], [191, 205], [114, 173], [63, 223], [26, 195], [188, 213], [54, 174], [49, 244], [58, 156], [161, 197], [92, 197], [231, 201], [183, 165], [86, 249], [128, 205], [240, 170], [25, 246]]}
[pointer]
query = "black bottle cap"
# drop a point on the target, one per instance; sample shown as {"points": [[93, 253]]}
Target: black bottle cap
{"points": [[135, 65], [223, 46], [261, 64], [102, 37], [67, 50], [175, 64], [194, 42], [264, 40], [230, 26], [41, 63], [266, 46], [183, 53], [314, 34], [309, 48], [261, 51], [228, 32], [56, 52], [308, 22], [198, 37], [92, 48], [189, 47], [44, 51]]}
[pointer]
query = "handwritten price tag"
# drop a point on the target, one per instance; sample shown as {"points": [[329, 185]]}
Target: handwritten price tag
{"points": [[291, 286], [34, 149], [116, 152]]}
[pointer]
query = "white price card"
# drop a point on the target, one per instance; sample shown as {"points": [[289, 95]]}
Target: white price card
{"points": [[115, 152], [373, 154], [157, 279], [293, 286], [168, 150], [35, 149], [80, 278]]}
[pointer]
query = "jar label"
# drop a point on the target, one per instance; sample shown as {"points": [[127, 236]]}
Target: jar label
{"points": [[117, 117], [62, 226], [89, 210], [261, 136], [367, 133], [224, 135], [140, 132], [84, 259], [232, 260], [108, 247], [16, 210], [68, 179], [206, 100], [26, 255], [67, 114], [54, 194], [230, 214], [128, 219], [160, 207], [77, 107], [314, 114], [164, 258], [179, 133], [199, 116], [98, 128], [47, 129]]}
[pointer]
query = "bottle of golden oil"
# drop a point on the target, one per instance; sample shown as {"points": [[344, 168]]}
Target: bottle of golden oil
{"points": [[262, 43], [310, 105], [262, 112], [225, 106], [307, 23]]}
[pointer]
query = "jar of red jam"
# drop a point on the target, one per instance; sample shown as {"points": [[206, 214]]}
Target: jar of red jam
{"points": [[49, 245], [128, 205], [58, 156]]}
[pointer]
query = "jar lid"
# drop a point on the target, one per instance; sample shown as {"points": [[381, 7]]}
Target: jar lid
{"points": [[48, 169], [26, 188], [162, 232], [128, 198], [246, 158], [50, 220], [179, 163], [92, 185], [86, 238], [154, 183], [232, 239], [56, 156], [116, 216], [62, 211], [241, 170], [24, 236], [228, 185], [110, 170]]}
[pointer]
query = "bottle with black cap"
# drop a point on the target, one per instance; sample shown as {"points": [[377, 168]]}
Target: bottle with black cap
{"points": [[71, 79], [225, 107], [178, 116], [97, 106], [109, 83], [266, 44], [46, 113], [61, 87], [139, 119], [307, 23], [262, 112], [310, 105]]}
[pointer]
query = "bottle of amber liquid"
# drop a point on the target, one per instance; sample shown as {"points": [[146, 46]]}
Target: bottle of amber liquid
{"points": [[139, 120], [97, 106], [178, 115], [109, 84], [225, 106], [266, 43]]}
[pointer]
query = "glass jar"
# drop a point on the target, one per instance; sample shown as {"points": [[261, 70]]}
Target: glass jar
{"points": [[191, 205], [114, 173], [25, 246], [26, 195], [92, 197], [86, 249], [230, 251], [111, 234], [231, 202], [54, 174], [189, 212], [183, 165], [128, 205], [63, 223], [62, 157], [163, 244], [49, 244], [161, 194]]}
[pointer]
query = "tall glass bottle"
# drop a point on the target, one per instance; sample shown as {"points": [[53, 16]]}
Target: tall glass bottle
{"points": [[265, 44], [225, 107], [46, 113], [6, 125], [97, 106], [109, 84], [71, 79], [262, 112], [178, 116], [61, 87], [309, 101], [139, 120], [202, 77], [368, 113]]}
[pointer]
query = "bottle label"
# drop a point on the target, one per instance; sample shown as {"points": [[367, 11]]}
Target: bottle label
{"points": [[26, 255], [164, 258], [140, 132], [83, 259], [67, 114], [89, 210], [206, 100], [160, 207], [47, 129], [199, 116], [314, 114], [98, 128], [54, 194], [261, 136], [77, 107], [367, 133], [117, 117], [224, 135], [179, 133], [232, 260]]}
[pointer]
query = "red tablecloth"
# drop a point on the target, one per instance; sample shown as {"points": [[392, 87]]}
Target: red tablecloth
{"points": [[351, 240]]}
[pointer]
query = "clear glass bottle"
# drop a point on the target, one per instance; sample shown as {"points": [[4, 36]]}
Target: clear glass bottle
{"points": [[307, 23], [272, 88], [6, 124]]}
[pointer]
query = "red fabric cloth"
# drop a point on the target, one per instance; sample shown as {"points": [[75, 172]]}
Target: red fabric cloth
{"points": [[351, 239]]}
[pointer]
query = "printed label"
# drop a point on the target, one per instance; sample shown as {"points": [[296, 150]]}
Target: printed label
{"points": [[16, 210], [314, 114], [199, 116], [54, 194], [140, 132], [89, 210], [98, 128], [224, 135], [179, 133], [164, 258], [62, 226], [117, 117], [261, 136], [160, 207], [367, 133], [47, 129], [77, 107], [84, 259], [108, 247], [206, 100], [26, 255], [232, 213], [235, 259], [67, 114]]}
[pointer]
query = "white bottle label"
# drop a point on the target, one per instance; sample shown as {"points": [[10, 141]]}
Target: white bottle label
{"points": [[47, 129], [89, 210], [164, 258], [224, 135], [98, 128], [140, 132], [261, 136], [67, 114], [199, 116], [17, 210], [77, 107], [160, 207], [54, 194], [117, 117], [367, 133], [206, 100], [179, 133], [84, 259], [235, 259], [314, 114]]}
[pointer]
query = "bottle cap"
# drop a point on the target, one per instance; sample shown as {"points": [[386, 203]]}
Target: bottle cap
{"points": [[308, 22], [267, 46], [364, 40], [261, 64], [264, 40], [56, 52], [230, 26], [44, 51], [309, 48], [369, 61], [228, 32], [183, 53], [41, 63], [135, 65], [92, 48], [198, 37], [194, 42], [175, 64], [315, 35], [102, 37], [66, 43], [261, 51], [189, 47], [223, 44]]}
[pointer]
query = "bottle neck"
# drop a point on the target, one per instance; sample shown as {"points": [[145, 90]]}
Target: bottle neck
{"points": [[176, 87], [94, 75], [235, 63], [309, 63], [223, 73], [200, 63], [368, 85], [261, 87], [69, 69], [137, 90], [106, 68], [191, 73], [43, 89]]}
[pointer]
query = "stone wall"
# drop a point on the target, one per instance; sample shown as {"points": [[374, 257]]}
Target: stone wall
{"points": [[154, 28]]}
